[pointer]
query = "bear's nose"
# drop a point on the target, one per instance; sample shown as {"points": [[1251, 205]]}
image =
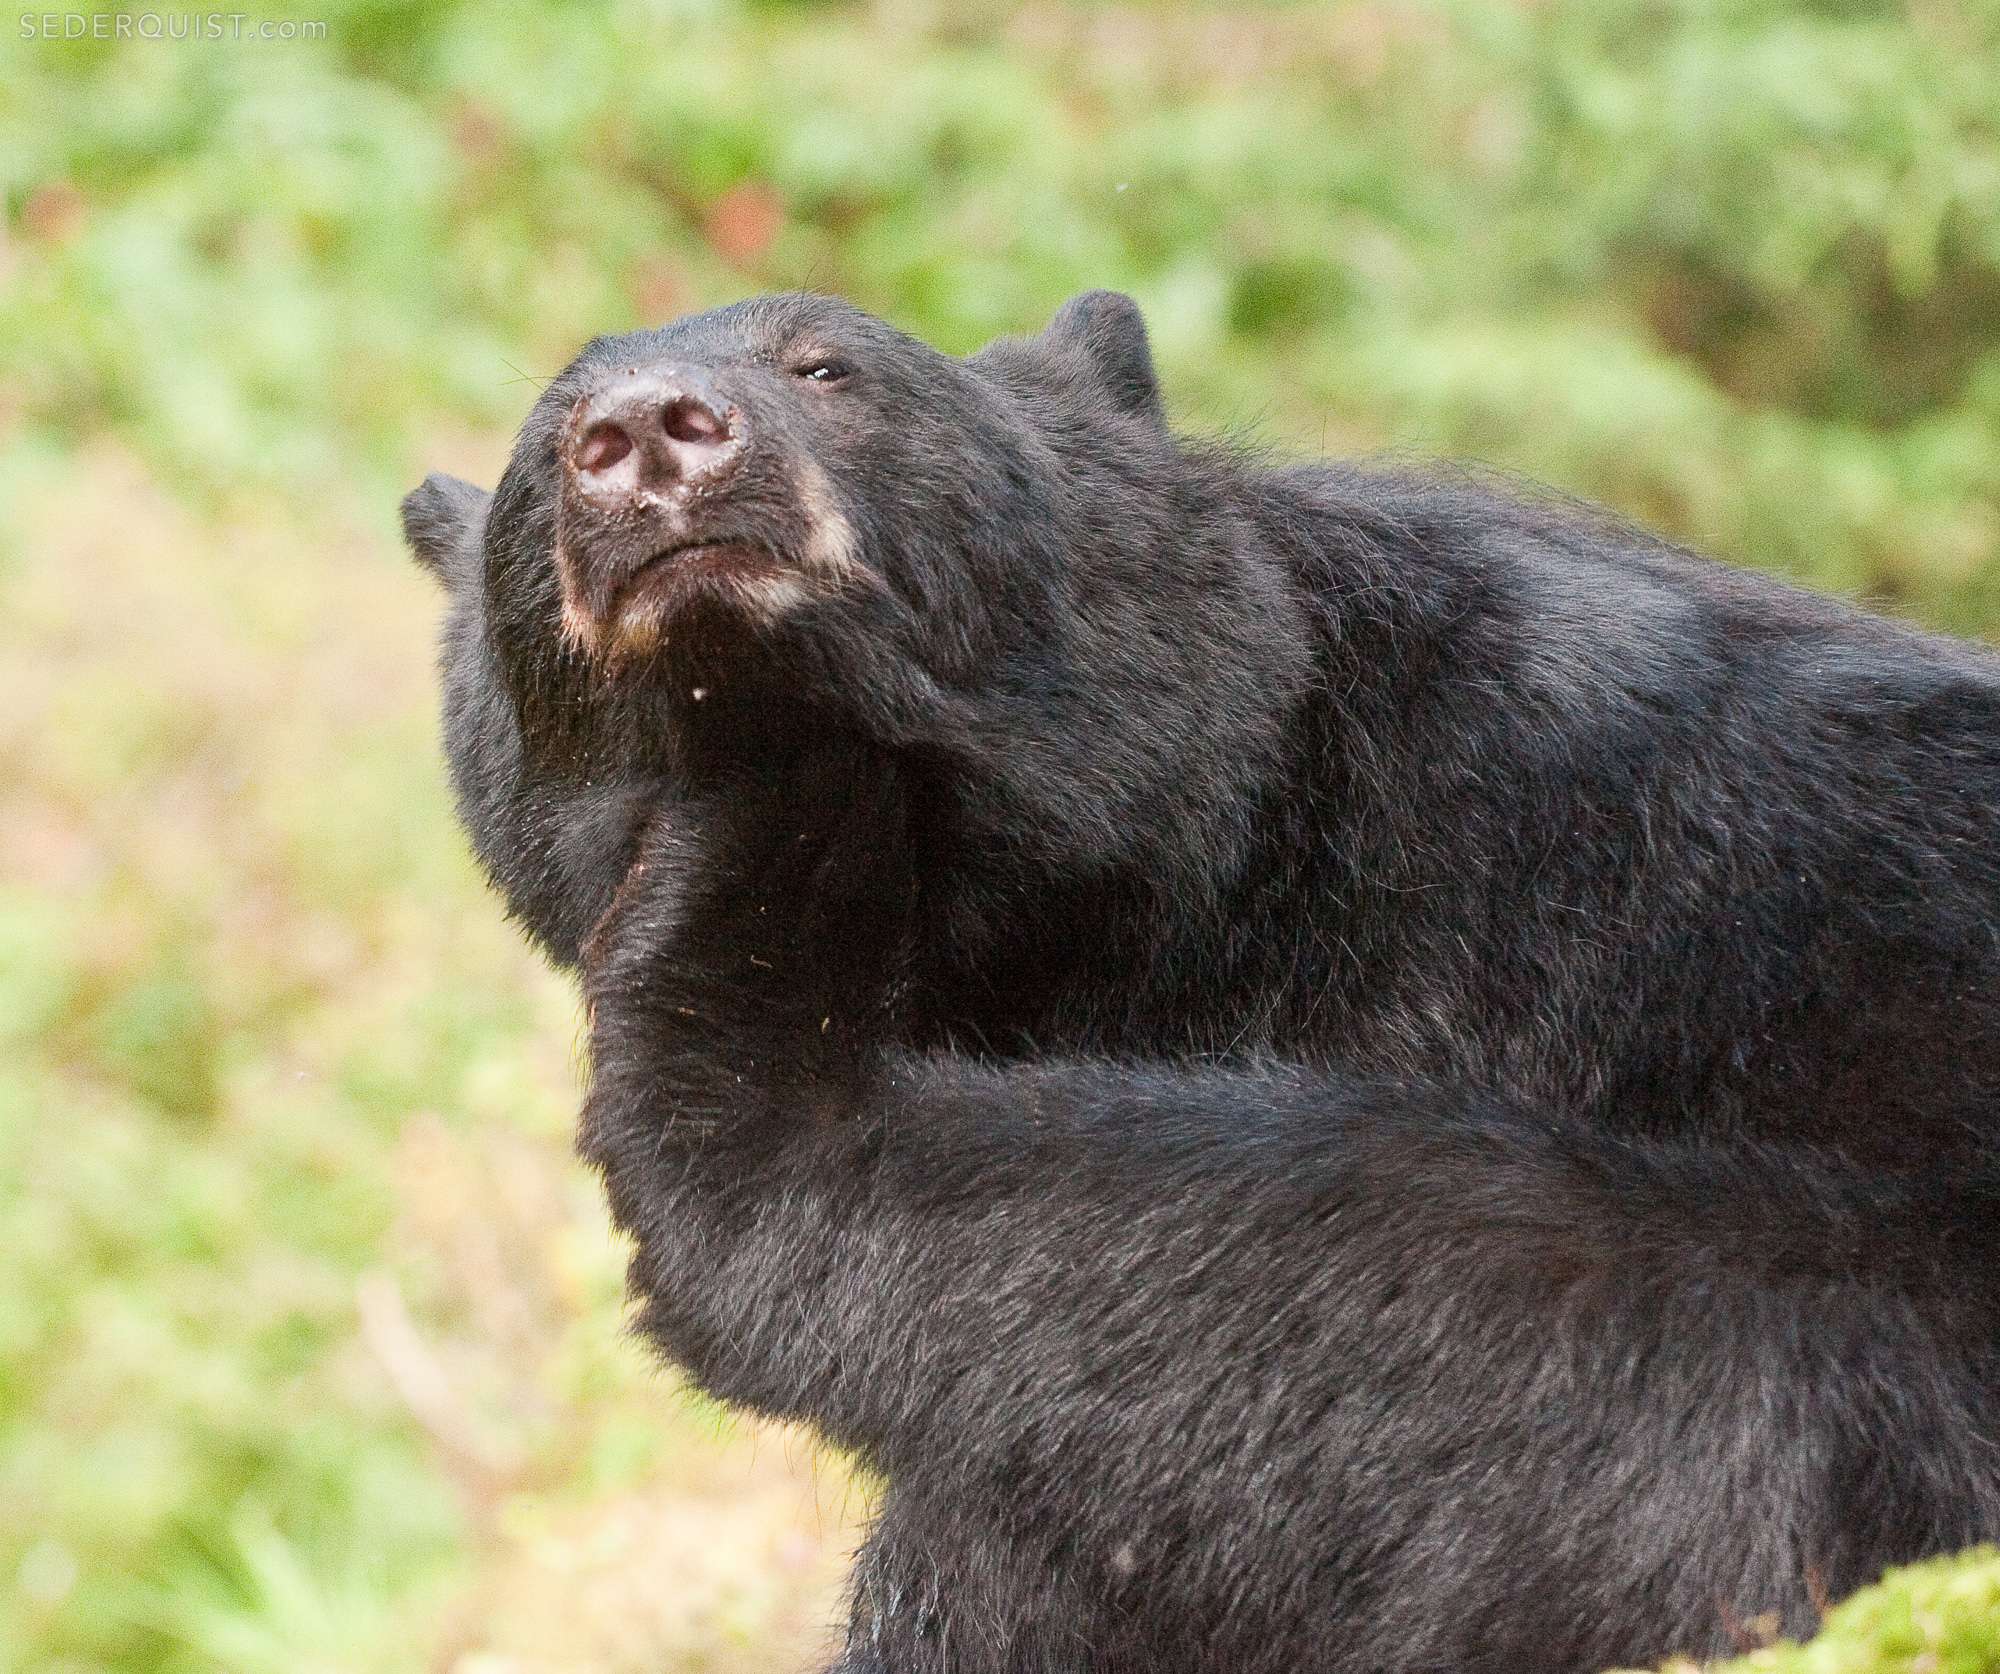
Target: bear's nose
{"points": [[651, 432]]}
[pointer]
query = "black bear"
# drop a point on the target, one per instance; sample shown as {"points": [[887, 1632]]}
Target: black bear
{"points": [[1326, 1069]]}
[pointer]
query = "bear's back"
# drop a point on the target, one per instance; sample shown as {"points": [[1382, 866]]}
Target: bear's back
{"points": [[1573, 813]]}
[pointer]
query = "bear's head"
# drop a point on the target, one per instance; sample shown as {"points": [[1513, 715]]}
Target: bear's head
{"points": [[784, 522]]}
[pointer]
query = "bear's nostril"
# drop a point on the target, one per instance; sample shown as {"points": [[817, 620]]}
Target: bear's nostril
{"points": [[693, 423], [651, 434], [603, 445]]}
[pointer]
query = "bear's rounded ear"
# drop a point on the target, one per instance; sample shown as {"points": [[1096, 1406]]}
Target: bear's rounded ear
{"points": [[1108, 329], [442, 517]]}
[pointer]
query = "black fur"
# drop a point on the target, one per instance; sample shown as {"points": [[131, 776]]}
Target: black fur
{"points": [[1326, 1069]]}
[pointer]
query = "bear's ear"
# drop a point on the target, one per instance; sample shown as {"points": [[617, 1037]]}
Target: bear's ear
{"points": [[441, 520], [1108, 330]]}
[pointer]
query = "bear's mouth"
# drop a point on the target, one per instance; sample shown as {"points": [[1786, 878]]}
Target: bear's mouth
{"points": [[633, 615], [670, 579], [692, 562]]}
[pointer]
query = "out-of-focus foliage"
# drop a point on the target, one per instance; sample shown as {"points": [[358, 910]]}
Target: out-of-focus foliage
{"points": [[308, 1344], [1730, 264]]}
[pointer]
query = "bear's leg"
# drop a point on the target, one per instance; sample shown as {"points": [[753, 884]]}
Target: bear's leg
{"points": [[939, 1589], [1259, 1369], [857, 1659]]}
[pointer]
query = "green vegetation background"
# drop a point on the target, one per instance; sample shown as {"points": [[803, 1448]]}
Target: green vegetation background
{"points": [[309, 1353]]}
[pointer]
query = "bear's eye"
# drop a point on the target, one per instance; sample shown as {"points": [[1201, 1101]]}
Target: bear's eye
{"points": [[823, 371]]}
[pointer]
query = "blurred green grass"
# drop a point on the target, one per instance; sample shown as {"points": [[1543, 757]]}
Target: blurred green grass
{"points": [[309, 1354]]}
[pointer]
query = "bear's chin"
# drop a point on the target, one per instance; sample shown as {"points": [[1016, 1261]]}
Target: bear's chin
{"points": [[712, 668]]}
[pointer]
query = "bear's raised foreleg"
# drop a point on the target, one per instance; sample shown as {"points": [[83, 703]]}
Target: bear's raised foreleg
{"points": [[1254, 1367]]}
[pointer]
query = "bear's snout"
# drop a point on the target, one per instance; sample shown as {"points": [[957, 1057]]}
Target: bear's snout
{"points": [[651, 433], [646, 524]]}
